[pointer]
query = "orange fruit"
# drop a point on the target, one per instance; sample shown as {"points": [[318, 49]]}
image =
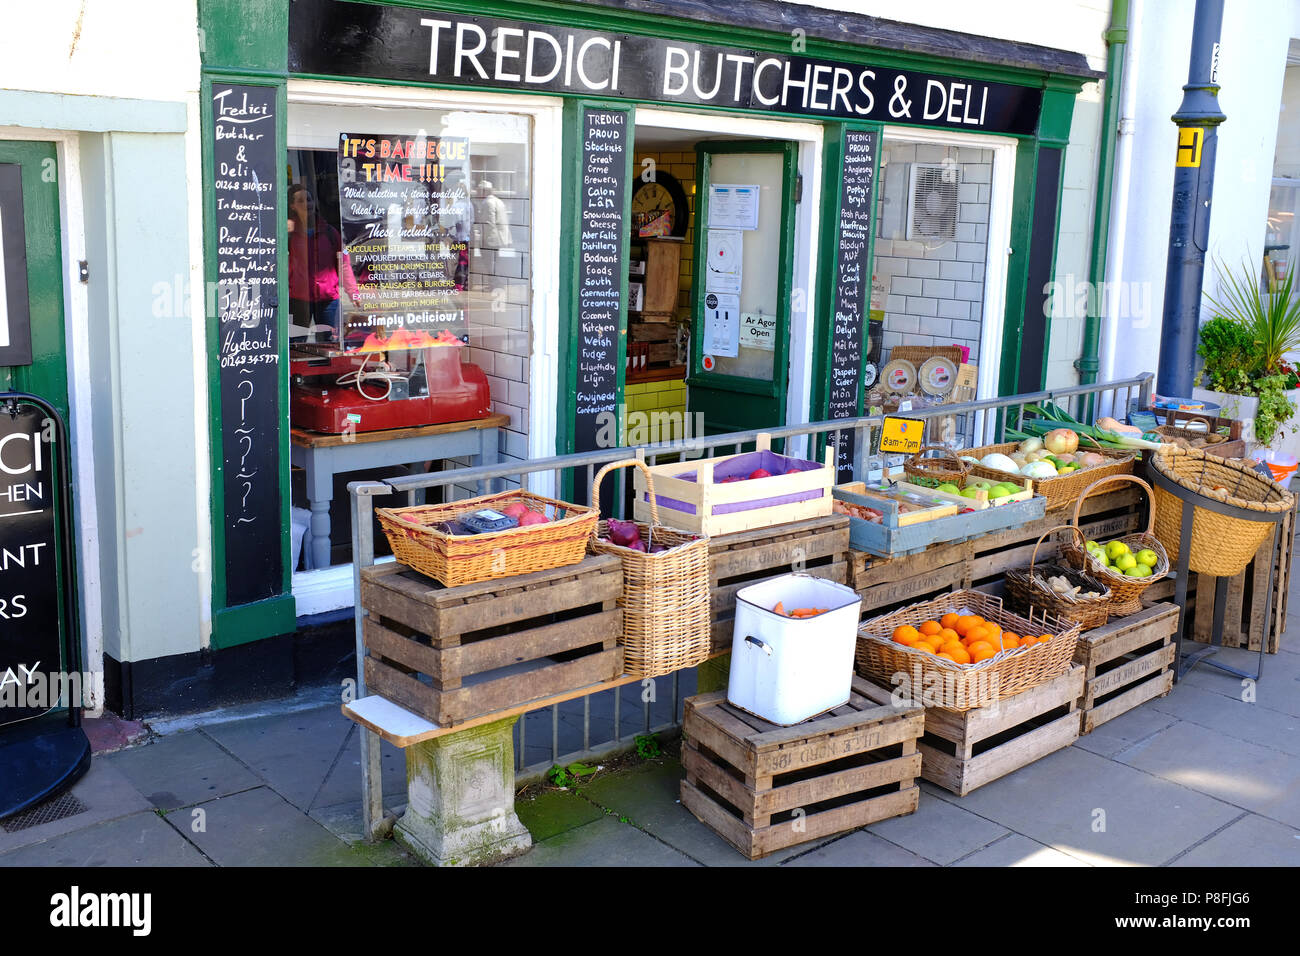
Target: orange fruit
{"points": [[1044, 638], [930, 628], [993, 629], [979, 633], [956, 652], [924, 647], [949, 635], [905, 630], [906, 641], [933, 641], [964, 624], [1017, 637], [981, 652], [947, 657], [1009, 642], [950, 619]]}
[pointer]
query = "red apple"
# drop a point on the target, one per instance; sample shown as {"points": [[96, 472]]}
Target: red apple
{"points": [[760, 473], [515, 510], [532, 517]]}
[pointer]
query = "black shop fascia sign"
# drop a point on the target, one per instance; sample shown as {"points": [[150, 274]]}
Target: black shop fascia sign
{"points": [[347, 39]]}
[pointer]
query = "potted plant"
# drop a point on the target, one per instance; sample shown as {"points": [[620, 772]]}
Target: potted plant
{"points": [[1244, 347]]}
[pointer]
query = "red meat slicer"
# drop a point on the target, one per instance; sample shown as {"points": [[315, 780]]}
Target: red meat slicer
{"points": [[391, 384]]}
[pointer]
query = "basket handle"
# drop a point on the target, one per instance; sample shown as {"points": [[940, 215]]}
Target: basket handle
{"points": [[645, 472], [1033, 558], [1151, 496], [962, 466]]}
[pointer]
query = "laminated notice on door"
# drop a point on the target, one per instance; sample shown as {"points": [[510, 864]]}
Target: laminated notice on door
{"points": [[722, 324], [722, 261], [901, 435]]}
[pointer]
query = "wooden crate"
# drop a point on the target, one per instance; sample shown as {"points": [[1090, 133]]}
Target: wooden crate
{"points": [[1243, 620], [690, 498], [963, 750], [763, 788], [817, 546], [902, 534], [887, 584], [451, 654], [1125, 663], [1103, 516]]}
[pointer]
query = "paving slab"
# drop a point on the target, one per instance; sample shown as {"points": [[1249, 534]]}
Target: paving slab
{"points": [[1251, 841], [650, 796], [141, 839], [294, 753], [1126, 730], [259, 828], [1245, 774], [861, 848], [1015, 849], [1277, 689], [343, 784], [107, 795], [603, 842], [939, 831], [553, 811], [1251, 722], [1099, 810], [185, 769], [344, 820]]}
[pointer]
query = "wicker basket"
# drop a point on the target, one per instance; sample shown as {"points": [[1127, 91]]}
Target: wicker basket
{"points": [[1222, 545], [1027, 589], [1062, 490], [455, 559], [964, 686], [1126, 591], [667, 623], [948, 467]]}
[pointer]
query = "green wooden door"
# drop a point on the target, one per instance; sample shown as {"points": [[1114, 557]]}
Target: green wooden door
{"points": [[740, 320], [38, 241]]}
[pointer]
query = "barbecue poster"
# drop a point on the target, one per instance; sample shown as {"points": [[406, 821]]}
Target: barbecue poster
{"points": [[407, 212]]}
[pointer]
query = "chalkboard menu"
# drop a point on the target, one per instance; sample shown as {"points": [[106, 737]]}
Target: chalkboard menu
{"points": [[601, 230], [31, 652], [248, 217], [851, 297]]}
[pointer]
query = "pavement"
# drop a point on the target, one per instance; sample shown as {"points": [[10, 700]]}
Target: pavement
{"points": [[1201, 777]]}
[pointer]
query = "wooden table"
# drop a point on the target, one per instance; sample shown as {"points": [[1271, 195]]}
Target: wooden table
{"points": [[322, 456]]}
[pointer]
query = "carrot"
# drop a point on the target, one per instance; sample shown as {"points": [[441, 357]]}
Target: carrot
{"points": [[807, 611], [780, 609]]}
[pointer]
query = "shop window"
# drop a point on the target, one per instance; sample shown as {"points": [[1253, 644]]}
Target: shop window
{"points": [[932, 243], [409, 277], [1281, 239]]}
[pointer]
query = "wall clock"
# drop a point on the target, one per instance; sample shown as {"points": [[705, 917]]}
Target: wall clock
{"points": [[659, 207]]}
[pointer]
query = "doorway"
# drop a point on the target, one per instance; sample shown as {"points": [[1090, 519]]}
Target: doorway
{"points": [[729, 346]]}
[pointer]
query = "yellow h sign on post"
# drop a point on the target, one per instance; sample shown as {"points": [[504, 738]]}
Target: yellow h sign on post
{"points": [[1190, 139]]}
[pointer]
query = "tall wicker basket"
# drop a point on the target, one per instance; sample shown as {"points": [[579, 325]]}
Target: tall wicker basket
{"points": [[1222, 545], [667, 623], [946, 467]]}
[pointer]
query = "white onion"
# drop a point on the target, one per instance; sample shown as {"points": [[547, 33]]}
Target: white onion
{"points": [[998, 462], [1038, 470], [1031, 444]]}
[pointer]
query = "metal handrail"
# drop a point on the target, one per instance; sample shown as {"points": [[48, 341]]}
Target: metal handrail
{"points": [[364, 493]]}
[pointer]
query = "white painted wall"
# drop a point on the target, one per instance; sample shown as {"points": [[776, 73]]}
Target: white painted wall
{"points": [[118, 82], [1075, 25], [1253, 60]]}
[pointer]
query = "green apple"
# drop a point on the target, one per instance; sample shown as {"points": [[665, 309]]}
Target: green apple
{"points": [[998, 491], [1138, 571], [1091, 544], [1148, 557], [949, 488], [971, 492], [983, 483], [1126, 561], [1098, 552], [1115, 548]]}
